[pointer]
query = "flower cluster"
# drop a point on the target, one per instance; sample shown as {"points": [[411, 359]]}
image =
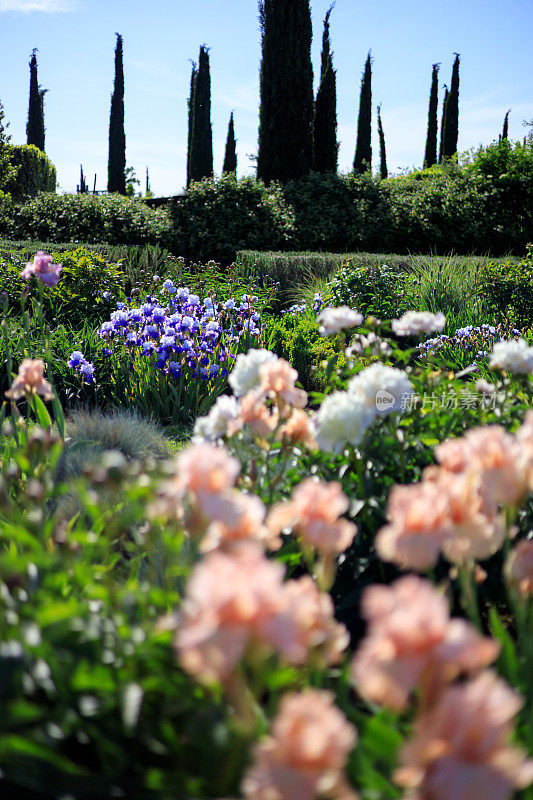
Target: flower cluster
{"points": [[186, 335], [43, 268], [457, 508], [78, 362], [344, 417], [513, 356], [304, 756], [413, 323], [478, 340], [333, 320], [299, 308], [460, 744]]}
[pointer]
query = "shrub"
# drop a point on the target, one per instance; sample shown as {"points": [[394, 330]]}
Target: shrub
{"points": [[295, 337], [85, 218], [371, 289], [36, 172], [79, 295], [219, 216], [508, 287]]}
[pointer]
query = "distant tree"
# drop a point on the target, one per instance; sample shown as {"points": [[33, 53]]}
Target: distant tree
{"points": [[363, 151], [8, 171], [325, 145], [116, 164], [83, 183], [443, 123], [505, 131], [190, 106], [382, 152], [286, 91], [430, 156], [230, 156], [131, 181], [35, 124], [451, 123], [147, 190], [201, 154]]}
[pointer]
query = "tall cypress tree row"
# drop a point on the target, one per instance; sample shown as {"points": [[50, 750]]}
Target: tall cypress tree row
{"points": [[116, 163], [35, 124], [505, 131], [190, 106], [230, 156], [363, 150], [286, 91], [383, 171], [325, 145], [201, 153], [430, 156], [443, 123], [451, 124]]}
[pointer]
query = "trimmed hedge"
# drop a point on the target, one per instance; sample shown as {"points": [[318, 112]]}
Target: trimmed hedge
{"points": [[85, 218], [35, 173], [219, 216]]}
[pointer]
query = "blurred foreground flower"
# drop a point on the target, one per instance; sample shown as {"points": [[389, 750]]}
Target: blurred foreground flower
{"points": [[513, 356], [412, 643], [30, 380], [460, 747], [305, 755], [519, 568], [43, 269]]}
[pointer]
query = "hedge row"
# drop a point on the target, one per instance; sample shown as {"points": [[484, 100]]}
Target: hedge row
{"points": [[484, 205], [35, 172]]}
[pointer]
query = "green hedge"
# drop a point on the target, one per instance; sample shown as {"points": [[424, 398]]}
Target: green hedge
{"points": [[35, 173], [218, 217], [85, 219]]}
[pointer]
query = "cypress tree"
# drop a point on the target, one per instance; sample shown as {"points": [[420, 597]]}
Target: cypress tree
{"points": [[325, 145], [190, 106], [363, 151], [147, 190], [35, 124], [443, 123], [83, 184], [286, 91], [201, 154], [230, 156], [451, 125], [116, 164], [505, 132], [382, 152], [430, 156]]}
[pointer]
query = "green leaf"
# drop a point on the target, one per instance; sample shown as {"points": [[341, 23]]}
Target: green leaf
{"points": [[41, 412]]}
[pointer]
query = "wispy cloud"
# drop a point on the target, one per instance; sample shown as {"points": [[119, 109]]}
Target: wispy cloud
{"points": [[45, 6]]}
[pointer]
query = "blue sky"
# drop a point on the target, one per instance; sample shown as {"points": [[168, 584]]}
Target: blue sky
{"points": [[75, 41]]}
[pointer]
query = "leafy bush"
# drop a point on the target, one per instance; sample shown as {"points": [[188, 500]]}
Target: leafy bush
{"points": [[508, 287], [85, 218], [295, 337], [88, 288], [371, 289], [35, 174], [219, 216]]}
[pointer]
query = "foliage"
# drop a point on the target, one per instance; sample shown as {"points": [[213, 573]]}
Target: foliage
{"points": [[451, 117], [8, 171], [200, 158], [86, 290], [35, 125], [325, 145], [383, 171], [230, 154], [116, 161], [430, 157], [35, 174], [377, 290], [85, 218], [219, 216], [508, 288], [363, 149], [190, 114], [285, 82], [295, 337]]}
